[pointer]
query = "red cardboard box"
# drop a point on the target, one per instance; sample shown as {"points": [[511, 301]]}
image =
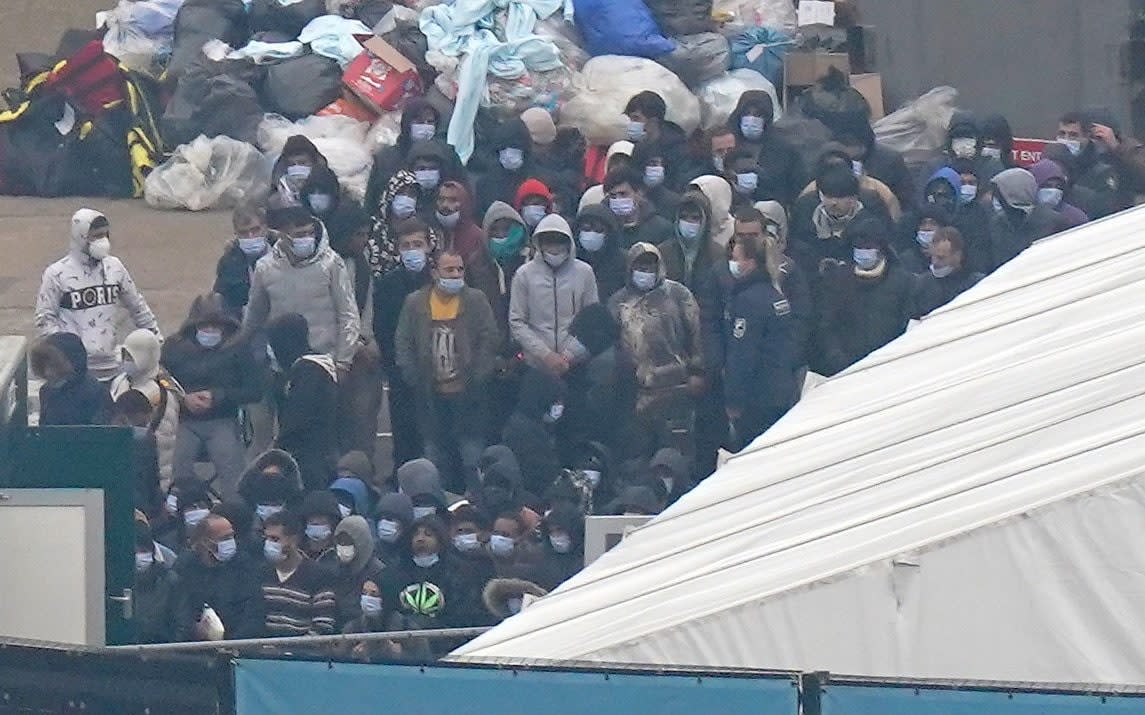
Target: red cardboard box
{"points": [[348, 106], [381, 76]]}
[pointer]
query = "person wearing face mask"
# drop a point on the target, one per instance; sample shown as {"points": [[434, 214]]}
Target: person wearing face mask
{"points": [[947, 276], [562, 541], [456, 224], [660, 338], [421, 481], [965, 143], [913, 246], [1052, 185], [306, 395], [420, 123], [618, 157], [393, 516], [271, 483], [744, 173], [445, 346], [133, 409], [508, 244], [972, 214], [213, 573], [781, 170], [546, 293], [1018, 218], [533, 200], [657, 162], [357, 564], [401, 201], [639, 223], [870, 158], [321, 193], [997, 141], [252, 240], [432, 163], [143, 372], [426, 583], [154, 590], [70, 395], [298, 594], [873, 193], [793, 283], [213, 363], [320, 515], [379, 616], [187, 503], [81, 293], [298, 159], [512, 164], [820, 235], [598, 236], [529, 431], [864, 303]]}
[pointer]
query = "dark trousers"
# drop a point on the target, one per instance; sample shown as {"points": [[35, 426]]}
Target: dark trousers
{"points": [[407, 442], [454, 430]]}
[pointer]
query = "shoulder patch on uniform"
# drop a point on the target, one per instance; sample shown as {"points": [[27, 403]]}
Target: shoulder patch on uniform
{"points": [[740, 328], [1111, 182], [781, 307]]}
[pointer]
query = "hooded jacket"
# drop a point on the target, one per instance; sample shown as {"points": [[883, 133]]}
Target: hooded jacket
{"points": [[886, 165], [79, 295], [780, 171], [691, 267], [350, 577], [1021, 220], [499, 593], [317, 288], [296, 144], [526, 434], [257, 489], [390, 293], [500, 184], [869, 186], [966, 125], [1047, 170], [79, 399], [382, 245], [389, 159], [608, 264], [505, 266], [793, 283], [356, 489], [531, 187], [659, 332], [392, 506], [228, 371], [544, 300], [719, 195], [419, 478], [164, 394], [468, 239]]}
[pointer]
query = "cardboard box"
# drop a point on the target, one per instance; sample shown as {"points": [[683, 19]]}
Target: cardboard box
{"points": [[803, 69], [349, 106], [382, 77], [870, 85]]}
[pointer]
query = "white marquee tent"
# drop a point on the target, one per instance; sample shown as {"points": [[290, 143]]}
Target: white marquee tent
{"points": [[968, 502]]}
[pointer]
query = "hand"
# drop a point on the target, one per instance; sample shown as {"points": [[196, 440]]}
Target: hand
{"points": [[1105, 135], [697, 385], [198, 402], [556, 363], [733, 413]]}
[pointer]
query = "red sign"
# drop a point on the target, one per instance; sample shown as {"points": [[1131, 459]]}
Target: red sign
{"points": [[1028, 151]]}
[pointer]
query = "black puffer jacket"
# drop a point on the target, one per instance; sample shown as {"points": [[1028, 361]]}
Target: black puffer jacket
{"points": [[527, 435], [500, 184], [608, 264], [79, 399]]}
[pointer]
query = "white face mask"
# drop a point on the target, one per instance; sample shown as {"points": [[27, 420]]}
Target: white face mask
{"points": [[345, 553], [192, 517], [426, 561], [992, 152], [420, 512], [99, 249], [466, 542], [561, 543], [964, 147], [501, 545], [420, 132], [388, 530]]}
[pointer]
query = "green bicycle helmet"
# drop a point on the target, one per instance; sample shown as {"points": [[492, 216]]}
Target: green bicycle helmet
{"points": [[423, 599]]}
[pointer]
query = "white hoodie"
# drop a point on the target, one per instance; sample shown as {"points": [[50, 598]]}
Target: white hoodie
{"points": [[160, 389], [80, 295]]}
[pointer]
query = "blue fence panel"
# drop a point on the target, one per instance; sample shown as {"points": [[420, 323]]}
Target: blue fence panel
{"points": [[870, 700], [287, 687]]}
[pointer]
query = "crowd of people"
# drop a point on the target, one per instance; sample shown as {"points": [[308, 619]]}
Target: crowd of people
{"points": [[557, 331]]}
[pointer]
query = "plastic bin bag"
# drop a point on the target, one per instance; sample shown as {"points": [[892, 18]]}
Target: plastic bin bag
{"points": [[509, 97], [761, 49], [209, 173], [384, 132], [698, 58], [566, 37], [603, 88], [302, 86], [341, 140], [776, 14], [920, 125], [718, 97], [140, 33]]}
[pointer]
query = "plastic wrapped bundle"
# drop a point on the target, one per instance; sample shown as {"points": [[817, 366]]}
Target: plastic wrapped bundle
{"points": [[920, 125], [549, 90], [567, 39], [776, 14], [603, 88], [140, 32], [301, 86], [718, 97], [341, 140], [384, 132], [207, 174], [698, 58], [761, 49]]}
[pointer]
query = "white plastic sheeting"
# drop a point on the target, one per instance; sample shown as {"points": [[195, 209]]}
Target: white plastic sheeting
{"points": [[968, 502]]}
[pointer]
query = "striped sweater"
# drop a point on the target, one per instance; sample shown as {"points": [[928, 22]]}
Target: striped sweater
{"points": [[301, 605]]}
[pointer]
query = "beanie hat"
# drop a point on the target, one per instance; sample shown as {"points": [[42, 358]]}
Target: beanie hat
{"points": [[542, 129]]}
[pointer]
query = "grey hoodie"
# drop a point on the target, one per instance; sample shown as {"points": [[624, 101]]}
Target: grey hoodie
{"points": [[719, 193], [1019, 188], [363, 567], [544, 300], [420, 476], [318, 288], [79, 294]]}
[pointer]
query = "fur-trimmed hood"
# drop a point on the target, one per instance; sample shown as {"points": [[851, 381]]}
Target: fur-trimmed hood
{"points": [[499, 591]]}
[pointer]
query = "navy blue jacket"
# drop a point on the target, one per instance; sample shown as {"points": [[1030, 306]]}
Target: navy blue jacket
{"points": [[760, 354]]}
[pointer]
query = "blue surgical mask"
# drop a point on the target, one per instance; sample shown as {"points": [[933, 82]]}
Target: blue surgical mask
{"points": [[644, 280], [303, 246], [857, 168], [747, 182], [450, 286], [226, 549], [622, 206], [428, 178], [272, 550], [533, 214], [941, 272], [420, 132], [1074, 145], [265, 511], [298, 172], [511, 158], [501, 545], [388, 530], [413, 259], [653, 175], [924, 238], [318, 532], [1050, 196], [689, 229], [209, 337], [426, 561], [555, 260], [555, 413], [992, 152], [561, 543], [254, 246], [591, 241], [321, 203], [466, 542], [403, 206], [448, 220], [143, 561], [968, 192], [371, 605], [192, 517], [634, 131], [866, 258], [734, 269], [751, 127]]}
